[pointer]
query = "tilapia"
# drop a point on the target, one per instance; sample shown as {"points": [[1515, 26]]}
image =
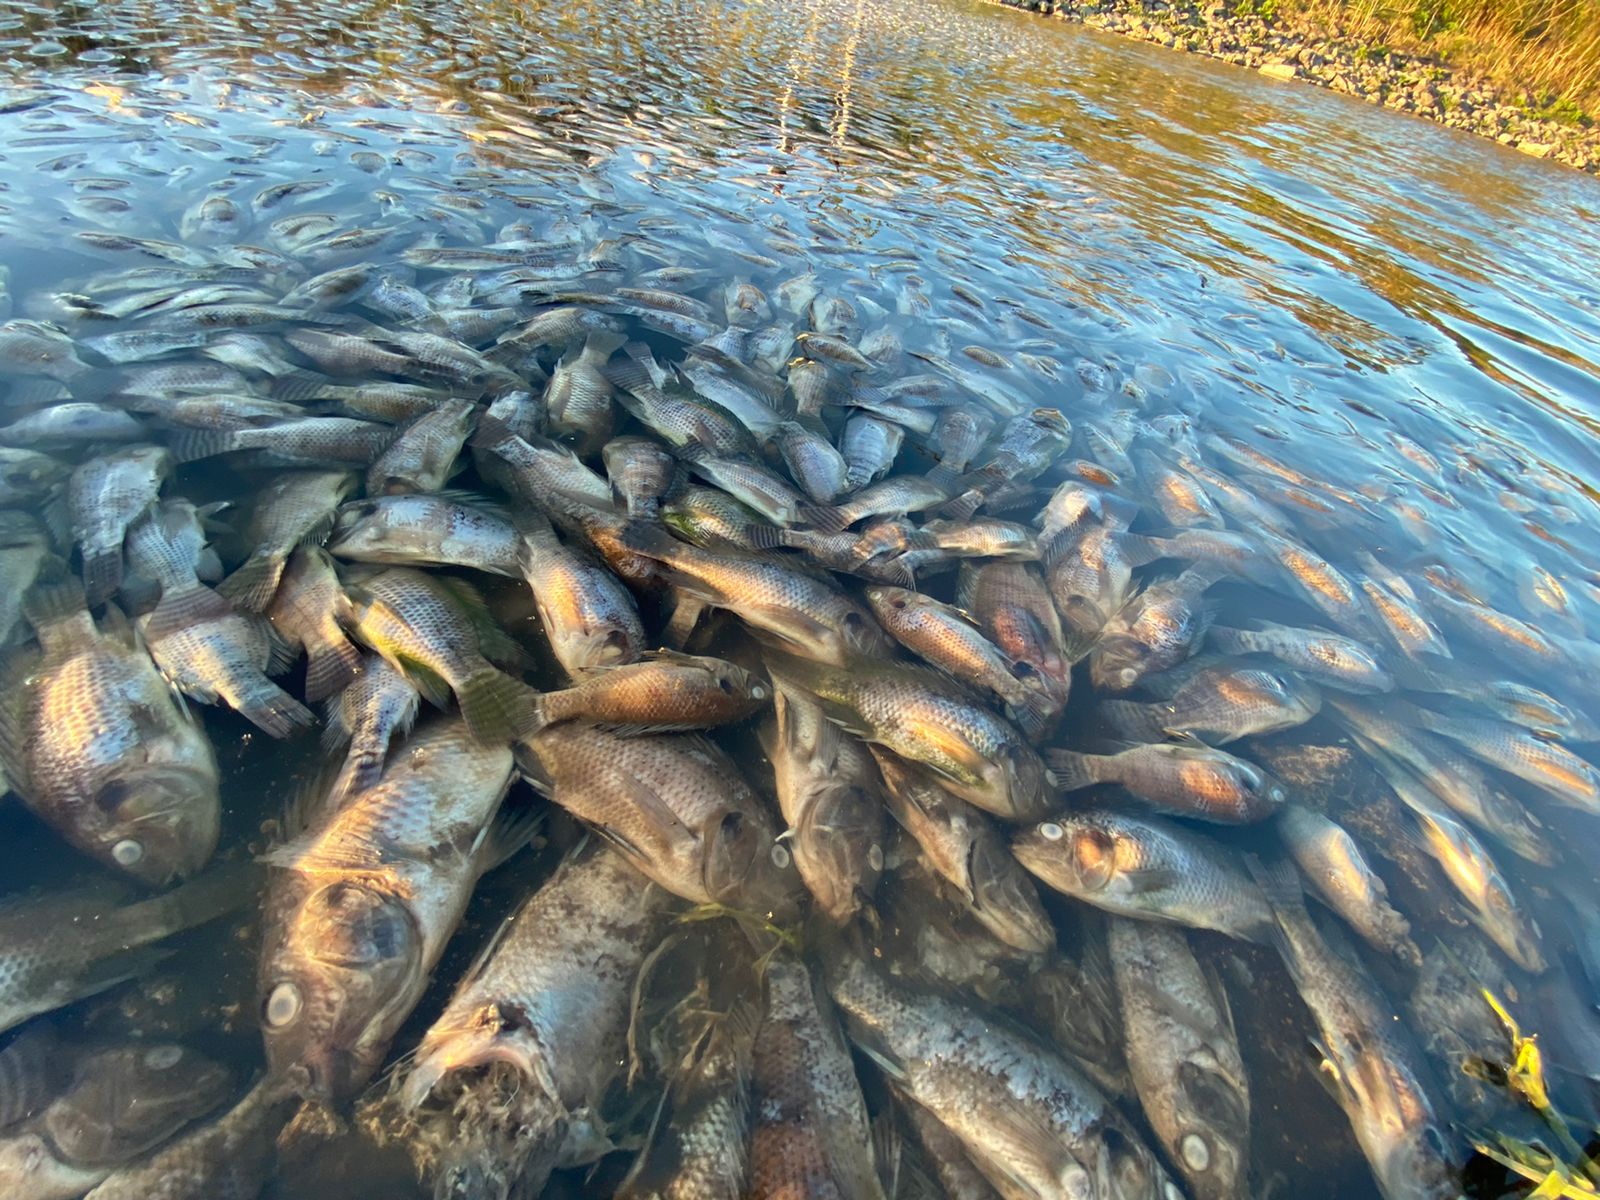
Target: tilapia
{"points": [[1452, 776], [229, 1158], [1033, 1124], [803, 613], [1145, 867], [1010, 604], [810, 1135], [590, 619], [964, 848], [1372, 1066], [1184, 1055], [1186, 780], [664, 692], [106, 495], [526, 1047], [423, 456], [124, 1101], [202, 645], [64, 946], [944, 638], [294, 508], [1341, 877], [1158, 628], [96, 745], [360, 907], [1471, 870], [926, 719], [675, 806], [455, 529], [435, 632], [1325, 658], [829, 793], [1219, 702]]}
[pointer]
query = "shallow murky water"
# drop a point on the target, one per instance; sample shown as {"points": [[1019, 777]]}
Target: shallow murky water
{"points": [[1407, 316]]}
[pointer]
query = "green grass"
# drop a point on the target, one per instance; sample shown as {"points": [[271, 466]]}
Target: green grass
{"points": [[1548, 51]]}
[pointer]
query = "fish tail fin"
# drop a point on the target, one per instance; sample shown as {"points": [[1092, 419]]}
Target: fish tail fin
{"points": [[1229, 641], [102, 574], [332, 664], [363, 767], [494, 705], [1279, 882], [1141, 549], [539, 715], [944, 477], [183, 608], [652, 541], [686, 613], [190, 445], [514, 826], [826, 517], [1034, 714], [255, 582], [296, 387], [492, 432], [272, 710], [765, 537], [1135, 721], [1071, 770], [47, 603], [965, 506]]}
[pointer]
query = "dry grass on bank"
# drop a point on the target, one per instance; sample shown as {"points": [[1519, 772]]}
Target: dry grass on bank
{"points": [[1548, 48]]}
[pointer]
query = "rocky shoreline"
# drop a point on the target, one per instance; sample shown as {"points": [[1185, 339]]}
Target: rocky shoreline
{"points": [[1408, 83]]}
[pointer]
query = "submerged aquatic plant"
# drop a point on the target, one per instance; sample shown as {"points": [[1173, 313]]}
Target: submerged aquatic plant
{"points": [[1566, 1171]]}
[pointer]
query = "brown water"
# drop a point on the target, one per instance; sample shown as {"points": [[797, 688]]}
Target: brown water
{"points": [[1283, 264]]}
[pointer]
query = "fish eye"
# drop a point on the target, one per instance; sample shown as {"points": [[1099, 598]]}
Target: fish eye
{"points": [[875, 857], [757, 692], [163, 1058], [781, 858], [1128, 676], [127, 853], [1196, 1154], [283, 1006], [1051, 832]]}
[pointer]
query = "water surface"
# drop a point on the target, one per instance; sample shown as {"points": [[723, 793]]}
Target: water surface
{"points": [[1133, 227]]}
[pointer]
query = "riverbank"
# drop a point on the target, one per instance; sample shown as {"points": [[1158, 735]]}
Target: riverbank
{"points": [[1286, 49]]}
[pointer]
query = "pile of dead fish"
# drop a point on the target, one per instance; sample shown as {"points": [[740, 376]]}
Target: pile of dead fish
{"points": [[901, 713]]}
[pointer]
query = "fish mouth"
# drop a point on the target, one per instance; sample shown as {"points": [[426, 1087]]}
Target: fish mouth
{"points": [[498, 1034]]}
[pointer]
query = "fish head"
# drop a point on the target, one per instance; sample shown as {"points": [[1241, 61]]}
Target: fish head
{"points": [[1417, 1164], [1512, 928], [161, 822], [746, 866], [353, 526], [838, 848], [733, 680], [863, 636], [330, 990], [130, 1098], [1005, 899], [1122, 1169], [1022, 779], [1118, 662], [1072, 856]]}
